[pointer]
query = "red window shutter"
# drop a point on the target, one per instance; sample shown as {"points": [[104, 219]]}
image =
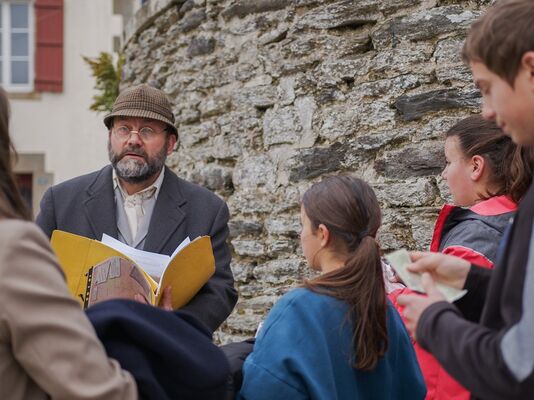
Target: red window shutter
{"points": [[49, 45]]}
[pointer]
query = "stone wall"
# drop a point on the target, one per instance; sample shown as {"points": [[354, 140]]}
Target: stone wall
{"points": [[272, 94]]}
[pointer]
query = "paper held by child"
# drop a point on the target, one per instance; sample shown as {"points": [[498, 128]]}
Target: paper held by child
{"points": [[400, 260]]}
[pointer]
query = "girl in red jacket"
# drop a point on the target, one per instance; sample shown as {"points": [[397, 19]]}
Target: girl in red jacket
{"points": [[487, 174]]}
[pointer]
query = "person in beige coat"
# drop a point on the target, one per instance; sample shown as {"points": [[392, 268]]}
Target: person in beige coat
{"points": [[48, 348]]}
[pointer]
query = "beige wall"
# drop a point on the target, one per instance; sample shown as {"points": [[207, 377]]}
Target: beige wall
{"points": [[61, 126]]}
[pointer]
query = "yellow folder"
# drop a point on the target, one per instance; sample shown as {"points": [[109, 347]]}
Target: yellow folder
{"points": [[186, 273]]}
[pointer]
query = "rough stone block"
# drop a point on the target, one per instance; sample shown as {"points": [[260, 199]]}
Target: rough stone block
{"points": [[281, 125], [214, 177], [413, 107], [286, 91], [261, 97], [374, 140], [279, 271], [410, 193], [347, 70], [402, 61], [346, 13], [390, 6], [201, 46], [449, 65], [242, 271], [255, 171], [434, 128], [239, 227], [287, 199], [256, 305], [376, 113], [282, 247], [396, 230], [255, 289], [310, 163], [288, 225], [339, 121], [220, 337], [227, 147], [412, 160], [251, 202], [191, 134], [192, 21], [243, 8], [424, 25], [317, 45], [244, 322], [252, 248], [422, 227], [214, 105]]}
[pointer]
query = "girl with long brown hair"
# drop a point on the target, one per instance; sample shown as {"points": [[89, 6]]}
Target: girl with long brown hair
{"points": [[337, 337]]}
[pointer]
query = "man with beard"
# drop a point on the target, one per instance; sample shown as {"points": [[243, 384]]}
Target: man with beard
{"points": [[141, 202]]}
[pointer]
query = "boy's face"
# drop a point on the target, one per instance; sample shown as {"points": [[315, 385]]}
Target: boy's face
{"points": [[511, 108]]}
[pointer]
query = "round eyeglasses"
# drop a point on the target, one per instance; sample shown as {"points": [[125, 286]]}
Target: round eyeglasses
{"points": [[145, 133]]}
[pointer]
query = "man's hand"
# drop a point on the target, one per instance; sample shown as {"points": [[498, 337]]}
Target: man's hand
{"points": [[414, 304], [166, 299], [165, 303], [446, 269]]}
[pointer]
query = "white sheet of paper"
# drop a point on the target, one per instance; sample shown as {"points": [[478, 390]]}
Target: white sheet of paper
{"points": [[153, 263], [400, 259], [184, 243]]}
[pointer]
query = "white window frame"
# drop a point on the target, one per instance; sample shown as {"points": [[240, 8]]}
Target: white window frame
{"points": [[6, 47]]}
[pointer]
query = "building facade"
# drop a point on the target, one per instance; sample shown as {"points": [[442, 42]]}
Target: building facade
{"points": [[50, 87]]}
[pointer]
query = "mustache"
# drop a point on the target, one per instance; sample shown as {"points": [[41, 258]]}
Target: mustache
{"points": [[132, 150]]}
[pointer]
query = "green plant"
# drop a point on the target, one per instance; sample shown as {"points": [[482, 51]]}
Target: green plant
{"points": [[107, 75]]}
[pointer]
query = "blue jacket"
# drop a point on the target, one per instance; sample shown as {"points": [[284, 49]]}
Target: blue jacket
{"points": [[304, 351]]}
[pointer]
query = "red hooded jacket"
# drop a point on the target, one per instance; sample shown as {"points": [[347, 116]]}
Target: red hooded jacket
{"points": [[472, 234]]}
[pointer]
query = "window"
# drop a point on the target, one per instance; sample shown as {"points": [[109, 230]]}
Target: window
{"points": [[16, 45]]}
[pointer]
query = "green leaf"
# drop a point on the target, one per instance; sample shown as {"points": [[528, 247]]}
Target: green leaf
{"points": [[107, 76]]}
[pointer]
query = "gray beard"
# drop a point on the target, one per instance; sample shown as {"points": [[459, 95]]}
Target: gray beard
{"points": [[137, 171]]}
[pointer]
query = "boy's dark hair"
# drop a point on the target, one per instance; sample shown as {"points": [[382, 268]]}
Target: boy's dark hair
{"points": [[511, 166], [350, 210], [501, 37]]}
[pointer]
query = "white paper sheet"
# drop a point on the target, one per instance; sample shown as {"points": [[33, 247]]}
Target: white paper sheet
{"points": [[153, 263]]}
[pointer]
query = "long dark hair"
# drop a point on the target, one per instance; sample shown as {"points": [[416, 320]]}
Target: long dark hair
{"points": [[348, 207], [11, 203], [510, 165]]}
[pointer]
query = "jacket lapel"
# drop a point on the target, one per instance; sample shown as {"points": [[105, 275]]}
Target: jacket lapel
{"points": [[100, 205], [167, 215]]}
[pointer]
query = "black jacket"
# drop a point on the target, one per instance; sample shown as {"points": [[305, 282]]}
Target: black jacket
{"points": [[170, 355]]}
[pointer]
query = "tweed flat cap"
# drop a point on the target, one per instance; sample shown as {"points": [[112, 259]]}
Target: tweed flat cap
{"points": [[142, 101]]}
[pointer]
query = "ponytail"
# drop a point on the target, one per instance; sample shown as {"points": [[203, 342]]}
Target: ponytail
{"points": [[349, 209]]}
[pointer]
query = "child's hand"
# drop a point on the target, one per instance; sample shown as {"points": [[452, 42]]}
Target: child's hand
{"points": [[414, 305], [446, 269]]}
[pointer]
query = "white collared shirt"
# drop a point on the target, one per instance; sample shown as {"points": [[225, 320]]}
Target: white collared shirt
{"points": [[135, 204]]}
